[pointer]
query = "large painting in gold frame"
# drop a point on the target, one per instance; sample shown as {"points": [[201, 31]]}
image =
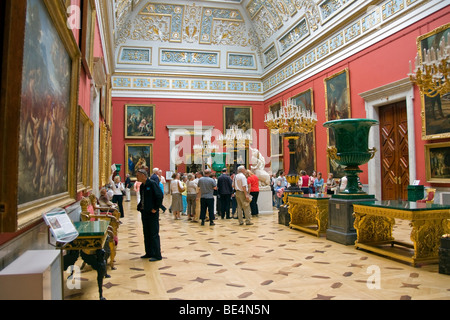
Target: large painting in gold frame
{"points": [[435, 111], [38, 110], [437, 162], [305, 145], [337, 106]]}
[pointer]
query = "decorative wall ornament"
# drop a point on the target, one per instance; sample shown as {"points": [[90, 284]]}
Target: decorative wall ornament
{"points": [[140, 83], [299, 32], [349, 34], [218, 24], [165, 19], [192, 58], [241, 60], [192, 20], [329, 8], [270, 55], [189, 23], [226, 26], [130, 55]]}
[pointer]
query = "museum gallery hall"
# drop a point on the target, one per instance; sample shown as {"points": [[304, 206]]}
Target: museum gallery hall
{"points": [[229, 150]]}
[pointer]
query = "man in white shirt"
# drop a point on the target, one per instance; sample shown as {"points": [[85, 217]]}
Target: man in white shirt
{"points": [[242, 196]]}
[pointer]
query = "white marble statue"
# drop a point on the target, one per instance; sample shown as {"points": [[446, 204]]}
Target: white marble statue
{"points": [[258, 166]]}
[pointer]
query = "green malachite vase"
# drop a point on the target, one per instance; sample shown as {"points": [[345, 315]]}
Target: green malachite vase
{"points": [[218, 161], [351, 149]]}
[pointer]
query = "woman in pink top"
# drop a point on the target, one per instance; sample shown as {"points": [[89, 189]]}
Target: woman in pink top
{"points": [[312, 177], [303, 182], [137, 185]]}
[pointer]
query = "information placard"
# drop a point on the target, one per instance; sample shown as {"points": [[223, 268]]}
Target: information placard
{"points": [[61, 227]]}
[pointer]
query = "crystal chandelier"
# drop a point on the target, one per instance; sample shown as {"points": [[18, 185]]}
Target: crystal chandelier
{"points": [[235, 134], [291, 119], [206, 146], [431, 76], [203, 150]]}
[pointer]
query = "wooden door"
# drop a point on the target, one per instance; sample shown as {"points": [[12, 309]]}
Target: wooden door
{"points": [[394, 151]]}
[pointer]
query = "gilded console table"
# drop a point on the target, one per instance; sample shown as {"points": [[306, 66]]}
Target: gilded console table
{"points": [[309, 213], [89, 244], [374, 221]]}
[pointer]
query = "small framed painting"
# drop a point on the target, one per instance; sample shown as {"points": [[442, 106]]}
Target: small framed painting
{"points": [[437, 162], [138, 156], [237, 116]]}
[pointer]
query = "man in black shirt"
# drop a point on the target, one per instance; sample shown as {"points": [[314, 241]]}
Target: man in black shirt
{"points": [[225, 190], [151, 200]]}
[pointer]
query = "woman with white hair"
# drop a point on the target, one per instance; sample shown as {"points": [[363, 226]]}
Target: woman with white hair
{"points": [[176, 189], [118, 190]]}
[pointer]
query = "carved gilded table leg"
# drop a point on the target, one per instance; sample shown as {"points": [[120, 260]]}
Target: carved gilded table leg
{"points": [[426, 235], [373, 228], [309, 214], [374, 221]]}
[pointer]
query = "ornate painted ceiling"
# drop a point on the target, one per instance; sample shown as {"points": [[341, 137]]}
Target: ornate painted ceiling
{"points": [[247, 47]]}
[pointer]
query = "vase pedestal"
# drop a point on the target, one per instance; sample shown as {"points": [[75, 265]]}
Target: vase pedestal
{"points": [[284, 217], [340, 217], [265, 200]]}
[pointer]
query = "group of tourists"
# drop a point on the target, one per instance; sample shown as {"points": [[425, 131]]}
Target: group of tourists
{"points": [[308, 184], [196, 194]]}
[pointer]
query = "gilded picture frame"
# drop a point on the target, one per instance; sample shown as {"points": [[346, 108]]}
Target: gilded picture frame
{"points": [[109, 102], [337, 106], [138, 156], [140, 121], [39, 108], [89, 176], [437, 162], [305, 145], [81, 148], [276, 140], [435, 111], [240, 116], [87, 36], [85, 151]]}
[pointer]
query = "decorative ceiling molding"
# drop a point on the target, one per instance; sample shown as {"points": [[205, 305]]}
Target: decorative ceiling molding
{"points": [[266, 44]]}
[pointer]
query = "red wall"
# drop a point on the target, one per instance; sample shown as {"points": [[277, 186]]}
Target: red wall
{"points": [[174, 112], [381, 64]]}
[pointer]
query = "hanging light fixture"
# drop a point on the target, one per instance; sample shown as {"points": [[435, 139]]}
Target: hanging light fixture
{"points": [[291, 119], [431, 74]]}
